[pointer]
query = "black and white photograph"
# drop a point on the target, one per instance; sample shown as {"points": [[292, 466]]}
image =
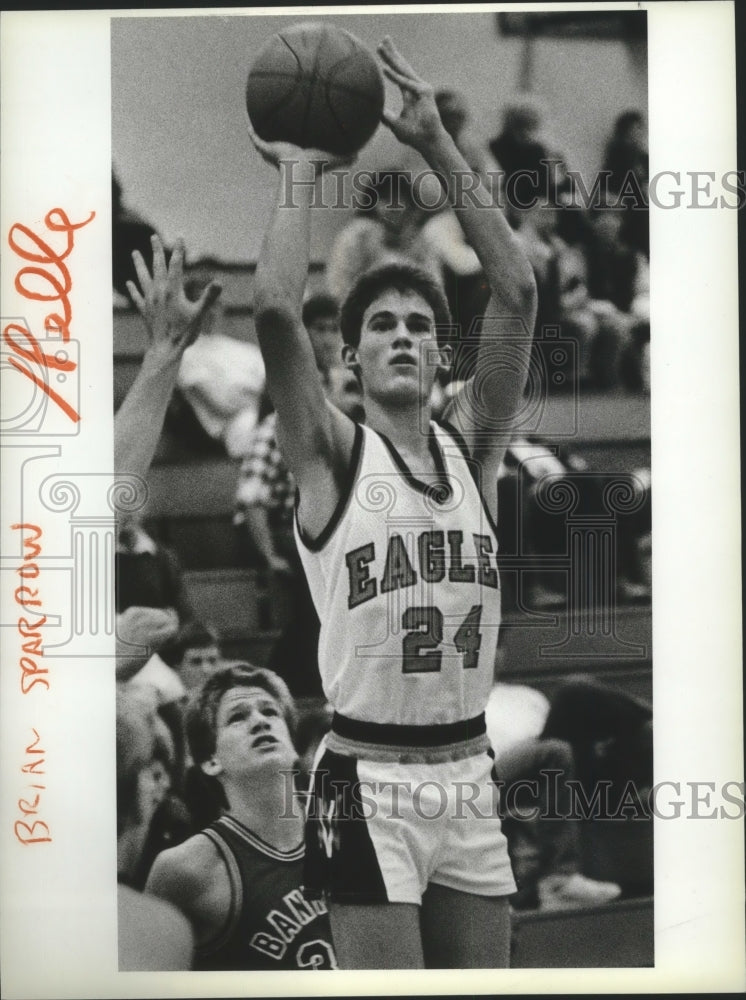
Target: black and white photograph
{"points": [[348, 529]]}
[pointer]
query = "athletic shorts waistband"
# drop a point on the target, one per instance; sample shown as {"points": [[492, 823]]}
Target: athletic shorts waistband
{"points": [[408, 744]]}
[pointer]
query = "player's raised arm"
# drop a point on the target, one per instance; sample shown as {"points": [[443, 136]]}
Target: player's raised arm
{"points": [[505, 344], [316, 439], [173, 323]]}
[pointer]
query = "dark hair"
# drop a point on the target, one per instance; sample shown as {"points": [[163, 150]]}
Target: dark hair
{"points": [[399, 277], [625, 120], [388, 188], [194, 635], [322, 305], [202, 711], [191, 635]]}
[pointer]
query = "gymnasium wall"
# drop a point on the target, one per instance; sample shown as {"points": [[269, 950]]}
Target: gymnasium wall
{"points": [[178, 119]]}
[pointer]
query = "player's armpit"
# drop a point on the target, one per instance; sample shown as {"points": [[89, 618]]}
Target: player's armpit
{"points": [[193, 878]]}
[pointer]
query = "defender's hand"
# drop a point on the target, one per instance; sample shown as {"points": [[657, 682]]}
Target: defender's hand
{"points": [[418, 124], [169, 315]]}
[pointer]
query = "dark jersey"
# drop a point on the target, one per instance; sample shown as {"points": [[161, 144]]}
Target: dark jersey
{"points": [[271, 925]]}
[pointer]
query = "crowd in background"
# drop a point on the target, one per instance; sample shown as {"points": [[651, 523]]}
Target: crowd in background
{"points": [[592, 271]]}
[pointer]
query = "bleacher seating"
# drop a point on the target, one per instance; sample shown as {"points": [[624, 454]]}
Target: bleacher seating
{"points": [[191, 503], [190, 508]]}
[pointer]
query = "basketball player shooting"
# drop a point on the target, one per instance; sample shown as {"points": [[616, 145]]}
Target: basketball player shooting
{"points": [[407, 590]]}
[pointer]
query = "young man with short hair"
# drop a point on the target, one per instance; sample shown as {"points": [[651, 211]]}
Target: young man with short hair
{"points": [[396, 527], [239, 881]]}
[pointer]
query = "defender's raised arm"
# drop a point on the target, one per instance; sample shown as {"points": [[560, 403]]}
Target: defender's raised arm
{"points": [[172, 323]]}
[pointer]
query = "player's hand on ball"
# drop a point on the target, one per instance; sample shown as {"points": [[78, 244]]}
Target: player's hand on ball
{"points": [[171, 318], [418, 123], [278, 152]]}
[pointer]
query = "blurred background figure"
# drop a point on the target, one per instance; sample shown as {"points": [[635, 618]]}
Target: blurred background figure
{"points": [[626, 158], [598, 739], [386, 227], [151, 599], [195, 654], [600, 329], [129, 232], [222, 381], [153, 935], [523, 145], [543, 834]]}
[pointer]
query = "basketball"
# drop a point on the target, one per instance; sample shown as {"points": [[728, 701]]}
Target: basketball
{"points": [[317, 87]]}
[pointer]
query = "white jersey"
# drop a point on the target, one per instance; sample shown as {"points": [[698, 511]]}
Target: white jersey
{"points": [[405, 583]]}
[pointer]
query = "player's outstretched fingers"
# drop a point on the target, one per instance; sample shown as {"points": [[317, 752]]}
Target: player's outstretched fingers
{"points": [[143, 274], [405, 82], [136, 298], [159, 262], [396, 61], [209, 295], [175, 269]]}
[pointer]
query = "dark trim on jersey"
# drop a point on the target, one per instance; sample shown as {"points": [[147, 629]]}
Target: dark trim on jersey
{"points": [[317, 544], [408, 736], [441, 490], [234, 911], [471, 464], [458, 437], [255, 841]]}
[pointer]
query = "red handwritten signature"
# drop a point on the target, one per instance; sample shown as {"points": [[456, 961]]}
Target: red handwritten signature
{"points": [[51, 275], [27, 832], [31, 830], [28, 597]]}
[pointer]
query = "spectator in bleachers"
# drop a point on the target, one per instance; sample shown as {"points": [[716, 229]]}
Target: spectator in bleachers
{"points": [[170, 823], [529, 527], [611, 735], [129, 232], [140, 631], [599, 328], [148, 574], [221, 378], [523, 146], [635, 367], [153, 934], [196, 654], [459, 123], [599, 739], [544, 837], [265, 498], [617, 271], [626, 158], [387, 227]]}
